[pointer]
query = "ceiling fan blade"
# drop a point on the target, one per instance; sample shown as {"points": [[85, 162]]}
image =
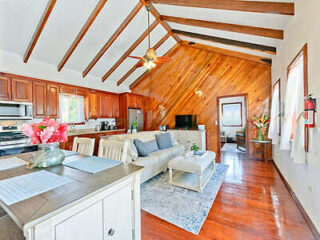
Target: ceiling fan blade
{"points": [[163, 59], [140, 64], [135, 57]]}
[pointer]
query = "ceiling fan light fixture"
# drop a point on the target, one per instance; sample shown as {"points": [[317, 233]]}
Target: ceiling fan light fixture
{"points": [[149, 64]]}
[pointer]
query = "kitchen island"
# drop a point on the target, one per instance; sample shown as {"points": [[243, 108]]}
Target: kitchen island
{"points": [[105, 205]]}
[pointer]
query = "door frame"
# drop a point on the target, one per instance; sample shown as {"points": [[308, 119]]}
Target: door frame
{"points": [[246, 104]]}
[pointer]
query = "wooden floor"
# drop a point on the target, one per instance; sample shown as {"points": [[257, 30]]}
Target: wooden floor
{"points": [[253, 203]]}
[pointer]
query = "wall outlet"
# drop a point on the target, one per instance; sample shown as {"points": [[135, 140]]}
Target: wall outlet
{"points": [[309, 188]]}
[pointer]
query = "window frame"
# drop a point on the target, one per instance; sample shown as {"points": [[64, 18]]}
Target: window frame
{"points": [[76, 95], [233, 103], [280, 108], [303, 52]]}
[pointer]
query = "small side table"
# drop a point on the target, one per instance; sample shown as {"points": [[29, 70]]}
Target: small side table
{"points": [[264, 145]]}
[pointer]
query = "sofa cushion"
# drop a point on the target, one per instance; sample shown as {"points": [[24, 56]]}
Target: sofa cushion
{"points": [[177, 150], [163, 155], [164, 141], [132, 150], [173, 139], [145, 148], [147, 162]]}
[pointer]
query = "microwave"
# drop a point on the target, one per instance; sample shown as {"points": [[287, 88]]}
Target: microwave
{"points": [[16, 110]]}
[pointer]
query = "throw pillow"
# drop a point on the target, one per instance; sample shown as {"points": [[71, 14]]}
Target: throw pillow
{"points": [[145, 148], [132, 150], [173, 139], [164, 141]]}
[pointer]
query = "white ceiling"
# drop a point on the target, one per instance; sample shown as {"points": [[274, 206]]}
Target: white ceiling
{"points": [[19, 20]]}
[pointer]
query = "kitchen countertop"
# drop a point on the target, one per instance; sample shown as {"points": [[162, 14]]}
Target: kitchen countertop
{"points": [[90, 131], [29, 212]]}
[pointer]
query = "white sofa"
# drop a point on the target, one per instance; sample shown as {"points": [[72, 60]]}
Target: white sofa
{"points": [[156, 162]]}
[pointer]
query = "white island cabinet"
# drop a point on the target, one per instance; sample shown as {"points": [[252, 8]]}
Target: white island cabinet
{"points": [[98, 206]]}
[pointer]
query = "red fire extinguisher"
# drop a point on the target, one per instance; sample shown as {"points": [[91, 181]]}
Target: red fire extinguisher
{"points": [[310, 112]]}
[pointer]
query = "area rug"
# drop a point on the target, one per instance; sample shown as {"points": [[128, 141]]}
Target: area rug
{"points": [[231, 147], [182, 207]]}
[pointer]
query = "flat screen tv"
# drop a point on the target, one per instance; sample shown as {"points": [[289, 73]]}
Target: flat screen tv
{"points": [[186, 121]]}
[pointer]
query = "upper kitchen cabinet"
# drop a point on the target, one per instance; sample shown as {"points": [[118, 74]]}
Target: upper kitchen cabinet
{"points": [[135, 101], [39, 99], [5, 88], [68, 90], [93, 98], [115, 105], [105, 105], [52, 100], [21, 90]]}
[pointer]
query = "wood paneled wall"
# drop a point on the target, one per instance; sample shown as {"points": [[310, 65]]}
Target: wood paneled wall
{"points": [[191, 83]]}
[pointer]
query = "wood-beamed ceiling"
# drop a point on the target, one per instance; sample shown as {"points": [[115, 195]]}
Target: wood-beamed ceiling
{"points": [[206, 28]]}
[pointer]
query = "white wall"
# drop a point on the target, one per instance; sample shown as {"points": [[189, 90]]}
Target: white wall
{"points": [[13, 63], [304, 27], [231, 131]]}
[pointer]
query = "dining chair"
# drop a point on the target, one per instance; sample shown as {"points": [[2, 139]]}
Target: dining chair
{"points": [[84, 146], [116, 150]]}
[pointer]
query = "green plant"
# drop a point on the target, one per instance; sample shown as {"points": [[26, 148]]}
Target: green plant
{"points": [[194, 147], [134, 124]]}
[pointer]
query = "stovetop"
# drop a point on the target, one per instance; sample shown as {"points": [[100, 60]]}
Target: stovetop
{"points": [[12, 136]]}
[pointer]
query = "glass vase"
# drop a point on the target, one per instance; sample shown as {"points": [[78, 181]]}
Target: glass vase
{"points": [[260, 134], [48, 155]]}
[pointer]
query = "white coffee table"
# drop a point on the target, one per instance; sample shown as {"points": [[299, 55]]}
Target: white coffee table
{"points": [[192, 172]]}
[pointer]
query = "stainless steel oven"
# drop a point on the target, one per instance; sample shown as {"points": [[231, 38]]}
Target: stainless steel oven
{"points": [[15, 110]]}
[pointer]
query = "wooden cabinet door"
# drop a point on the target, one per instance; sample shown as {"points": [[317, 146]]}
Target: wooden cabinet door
{"points": [[21, 90], [115, 106], [87, 224], [53, 100], [93, 97], [104, 105], [67, 89], [5, 88], [118, 214], [39, 99]]}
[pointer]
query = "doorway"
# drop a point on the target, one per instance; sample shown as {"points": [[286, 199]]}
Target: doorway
{"points": [[232, 123]]}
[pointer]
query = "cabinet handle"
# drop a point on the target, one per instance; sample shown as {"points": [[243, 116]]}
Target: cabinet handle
{"points": [[111, 232]]}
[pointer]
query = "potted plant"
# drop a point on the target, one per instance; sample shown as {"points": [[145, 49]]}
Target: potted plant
{"points": [[47, 135], [261, 124], [134, 125], [195, 149]]}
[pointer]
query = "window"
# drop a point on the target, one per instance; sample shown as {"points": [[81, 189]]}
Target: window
{"points": [[71, 108], [232, 114], [294, 132]]}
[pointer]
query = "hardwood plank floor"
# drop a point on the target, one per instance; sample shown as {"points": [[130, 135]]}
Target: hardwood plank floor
{"points": [[253, 203]]}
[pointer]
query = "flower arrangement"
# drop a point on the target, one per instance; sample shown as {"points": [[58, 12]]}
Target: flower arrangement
{"points": [[47, 131], [261, 123]]}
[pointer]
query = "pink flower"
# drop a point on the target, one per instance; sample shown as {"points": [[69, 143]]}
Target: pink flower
{"points": [[27, 130], [46, 134]]}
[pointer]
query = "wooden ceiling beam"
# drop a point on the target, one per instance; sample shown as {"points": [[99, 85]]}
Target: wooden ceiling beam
{"points": [[156, 15], [246, 56], [257, 31], [251, 46], [39, 29], [155, 47], [82, 32], [285, 8], [130, 50], [111, 40]]}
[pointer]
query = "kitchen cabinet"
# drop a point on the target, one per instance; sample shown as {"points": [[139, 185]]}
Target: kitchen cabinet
{"points": [[5, 88], [52, 100], [115, 106], [67, 89], [93, 98], [21, 90], [105, 105], [39, 99]]}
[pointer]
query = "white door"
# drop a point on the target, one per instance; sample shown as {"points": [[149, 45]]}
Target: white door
{"points": [[118, 215], [87, 224]]}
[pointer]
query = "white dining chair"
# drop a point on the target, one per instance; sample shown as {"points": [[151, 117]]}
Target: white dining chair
{"points": [[116, 150], [84, 146]]}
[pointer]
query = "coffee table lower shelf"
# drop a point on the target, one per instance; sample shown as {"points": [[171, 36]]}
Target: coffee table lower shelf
{"points": [[190, 180]]}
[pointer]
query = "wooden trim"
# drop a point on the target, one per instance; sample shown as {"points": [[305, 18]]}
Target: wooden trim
{"points": [[233, 103], [114, 36], [82, 32], [155, 47], [284, 8], [39, 29], [157, 16], [256, 31], [130, 50], [226, 41], [273, 87], [306, 217], [246, 101], [232, 53], [303, 52]]}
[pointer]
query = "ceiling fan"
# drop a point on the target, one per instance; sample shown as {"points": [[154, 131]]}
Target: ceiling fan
{"points": [[150, 60]]}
